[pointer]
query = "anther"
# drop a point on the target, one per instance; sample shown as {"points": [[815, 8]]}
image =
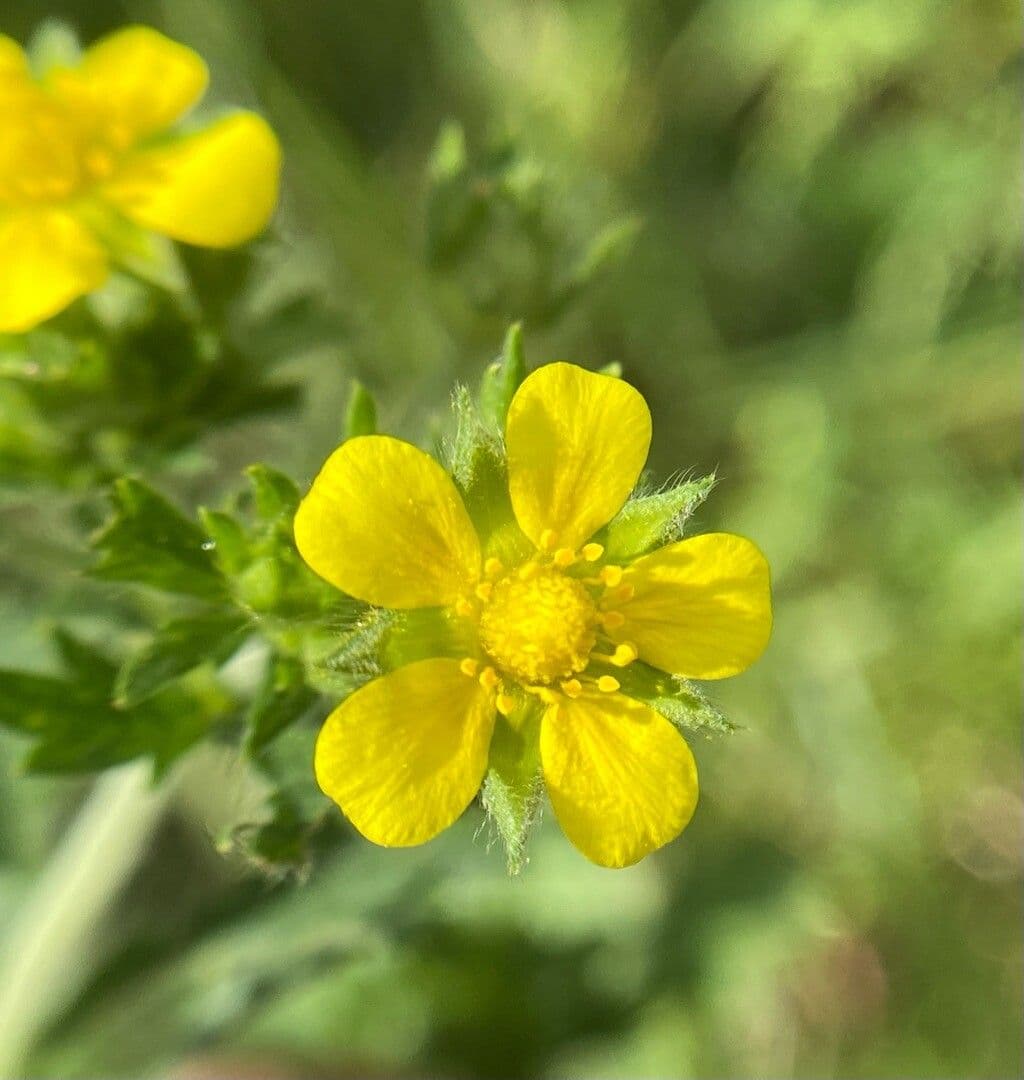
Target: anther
{"points": [[592, 552], [489, 679], [612, 620], [528, 571], [483, 590], [548, 540], [608, 684], [611, 575], [624, 654], [506, 704], [572, 688], [464, 608], [493, 568], [564, 557], [620, 595], [469, 666]]}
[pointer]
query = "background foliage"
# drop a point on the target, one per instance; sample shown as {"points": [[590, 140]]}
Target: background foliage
{"points": [[795, 226]]}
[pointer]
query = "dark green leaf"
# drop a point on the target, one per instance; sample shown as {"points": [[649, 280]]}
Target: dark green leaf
{"points": [[176, 649], [79, 731], [149, 542], [230, 545]]}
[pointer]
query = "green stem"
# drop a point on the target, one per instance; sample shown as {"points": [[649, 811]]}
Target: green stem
{"points": [[51, 947]]}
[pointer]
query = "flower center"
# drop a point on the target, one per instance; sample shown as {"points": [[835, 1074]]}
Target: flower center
{"points": [[538, 628]]}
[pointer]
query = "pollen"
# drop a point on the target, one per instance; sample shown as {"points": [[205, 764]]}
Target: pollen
{"points": [[540, 629]]}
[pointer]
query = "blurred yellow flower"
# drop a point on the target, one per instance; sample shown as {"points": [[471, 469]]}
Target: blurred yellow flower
{"points": [[405, 755], [86, 146]]}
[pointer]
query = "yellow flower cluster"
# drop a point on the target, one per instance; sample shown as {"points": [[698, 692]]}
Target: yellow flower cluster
{"points": [[88, 146], [550, 619]]}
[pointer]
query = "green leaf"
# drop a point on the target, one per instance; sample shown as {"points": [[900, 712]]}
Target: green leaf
{"points": [[282, 699], [77, 730], [650, 521], [149, 542], [512, 787], [84, 663], [176, 649], [502, 379], [230, 545], [275, 494], [361, 415], [675, 698]]}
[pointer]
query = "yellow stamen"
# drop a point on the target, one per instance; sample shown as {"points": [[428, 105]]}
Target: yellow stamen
{"points": [[564, 557], [621, 595], [489, 679], [483, 590], [592, 552], [464, 608], [612, 620], [611, 575], [548, 540], [528, 571], [506, 704], [493, 568], [572, 688], [624, 654], [608, 684], [469, 666]]}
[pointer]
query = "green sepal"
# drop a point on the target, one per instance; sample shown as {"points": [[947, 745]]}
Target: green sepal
{"points": [[502, 379], [357, 657], [650, 521], [677, 699], [149, 542], [512, 788], [280, 701], [476, 460], [361, 414], [177, 648]]}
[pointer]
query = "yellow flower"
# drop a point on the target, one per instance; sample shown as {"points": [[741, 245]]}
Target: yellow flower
{"points": [[550, 622], [86, 147]]}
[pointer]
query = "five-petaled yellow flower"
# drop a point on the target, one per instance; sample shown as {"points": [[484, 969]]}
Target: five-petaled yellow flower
{"points": [[86, 147], [405, 754]]}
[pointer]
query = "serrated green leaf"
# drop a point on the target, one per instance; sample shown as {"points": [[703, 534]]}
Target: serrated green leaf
{"points": [[176, 649], [650, 521], [282, 699], [84, 663], [502, 379], [512, 788], [79, 731], [677, 699], [359, 649], [149, 542], [276, 495], [361, 414]]}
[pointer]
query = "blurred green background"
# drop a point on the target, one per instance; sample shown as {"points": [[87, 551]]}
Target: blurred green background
{"points": [[796, 226]]}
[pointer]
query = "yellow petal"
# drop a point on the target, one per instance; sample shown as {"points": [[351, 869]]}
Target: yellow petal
{"points": [[384, 523], [405, 755], [46, 260], [576, 444], [701, 607], [215, 188], [621, 778], [137, 80]]}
